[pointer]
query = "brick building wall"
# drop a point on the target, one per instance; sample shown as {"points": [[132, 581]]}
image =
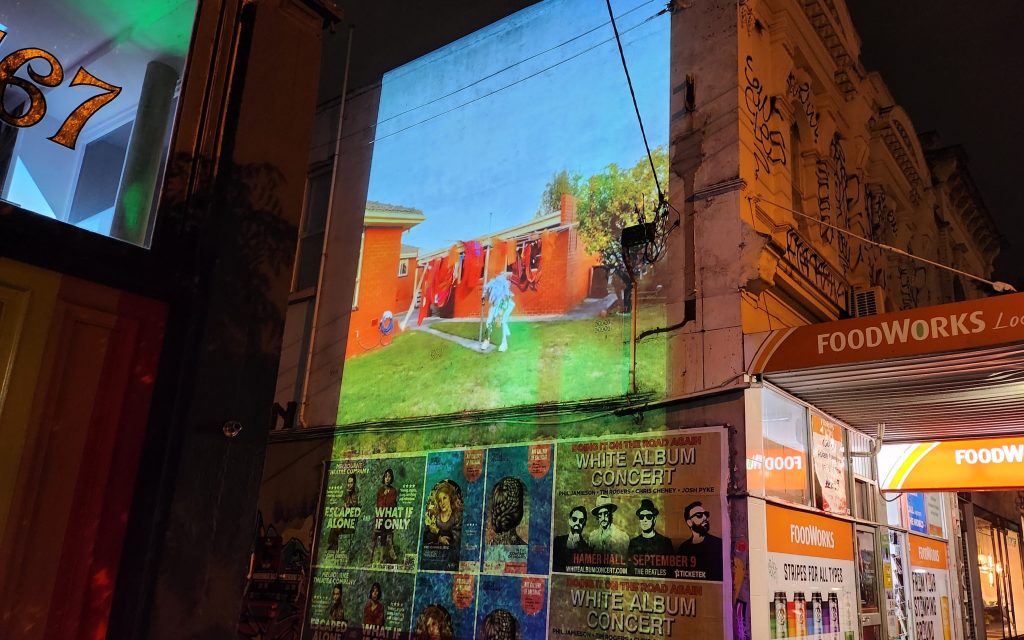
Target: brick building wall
{"points": [[404, 286], [378, 287]]}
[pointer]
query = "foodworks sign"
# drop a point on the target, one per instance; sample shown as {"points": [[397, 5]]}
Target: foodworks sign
{"points": [[943, 328], [953, 465]]}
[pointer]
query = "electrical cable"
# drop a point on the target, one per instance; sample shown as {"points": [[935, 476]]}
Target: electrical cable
{"points": [[503, 70], [488, 94], [999, 287], [632, 94]]}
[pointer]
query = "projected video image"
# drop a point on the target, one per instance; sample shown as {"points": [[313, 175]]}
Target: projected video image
{"points": [[504, 167]]}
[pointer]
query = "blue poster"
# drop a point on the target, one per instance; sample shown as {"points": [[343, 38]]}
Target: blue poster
{"points": [[452, 511], [445, 606], [517, 518], [512, 607], [916, 511]]}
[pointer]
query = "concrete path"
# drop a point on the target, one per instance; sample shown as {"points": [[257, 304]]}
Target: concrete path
{"points": [[589, 308], [472, 345]]}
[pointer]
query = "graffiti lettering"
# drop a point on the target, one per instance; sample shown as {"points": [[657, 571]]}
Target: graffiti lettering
{"points": [[769, 142], [813, 266], [911, 282], [802, 92], [821, 174], [838, 202]]}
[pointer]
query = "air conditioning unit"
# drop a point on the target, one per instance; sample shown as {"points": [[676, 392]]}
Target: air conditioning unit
{"points": [[867, 301]]}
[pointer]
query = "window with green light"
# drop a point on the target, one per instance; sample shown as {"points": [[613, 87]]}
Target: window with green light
{"points": [[88, 92]]}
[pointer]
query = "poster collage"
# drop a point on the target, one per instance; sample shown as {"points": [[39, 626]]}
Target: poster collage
{"points": [[618, 537]]}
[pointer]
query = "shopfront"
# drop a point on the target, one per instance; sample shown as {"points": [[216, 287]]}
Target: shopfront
{"points": [[936, 530], [831, 539]]}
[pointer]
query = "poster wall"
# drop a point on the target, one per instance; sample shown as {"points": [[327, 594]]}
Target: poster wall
{"points": [[612, 537], [929, 583], [811, 576]]}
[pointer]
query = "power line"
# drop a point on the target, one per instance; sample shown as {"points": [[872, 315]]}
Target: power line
{"points": [[503, 70], [632, 94], [497, 90], [999, 287]]}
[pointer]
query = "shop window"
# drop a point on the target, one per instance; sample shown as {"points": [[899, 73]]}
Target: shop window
{"points": [[84, 131], [830, 467], [864, 500], [895, 509], [935, 514], [777, 463]]}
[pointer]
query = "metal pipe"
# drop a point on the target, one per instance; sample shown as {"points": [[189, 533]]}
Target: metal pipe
{"points": [[632, 333], [304, 397]]}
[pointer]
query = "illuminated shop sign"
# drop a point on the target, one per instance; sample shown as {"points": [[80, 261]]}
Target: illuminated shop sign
{"points": [[954, 465], [962, 325]]}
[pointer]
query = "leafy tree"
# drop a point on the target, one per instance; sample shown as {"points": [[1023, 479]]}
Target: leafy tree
{"points": [[561, 183], [608, 201]]}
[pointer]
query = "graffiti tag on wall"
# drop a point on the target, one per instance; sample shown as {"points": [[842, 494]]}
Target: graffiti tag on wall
{"points": [[839, 203], [766, 119], [812, 265], [802, 92]]}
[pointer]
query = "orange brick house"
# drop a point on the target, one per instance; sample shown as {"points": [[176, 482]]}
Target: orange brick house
{"points": [[379, 285], [558, 260], [560, 269]]}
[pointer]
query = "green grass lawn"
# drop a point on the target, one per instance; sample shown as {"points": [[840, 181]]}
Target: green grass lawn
{"points": [[419, 374]]}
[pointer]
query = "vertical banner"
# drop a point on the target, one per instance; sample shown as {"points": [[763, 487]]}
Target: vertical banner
{"points": [[929, 582], [811, 576], [445, 605], [512, 608], [517, 523], [452, 511], [829, 453], [645, 518]]}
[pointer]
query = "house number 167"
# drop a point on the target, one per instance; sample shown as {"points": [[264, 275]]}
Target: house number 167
{"points": [[67, 135]]}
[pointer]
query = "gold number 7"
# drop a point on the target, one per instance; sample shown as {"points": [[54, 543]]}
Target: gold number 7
{"points": [[67, 135]]}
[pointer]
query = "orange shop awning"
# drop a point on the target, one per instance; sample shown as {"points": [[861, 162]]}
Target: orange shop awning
{"points": [[940, 372]]}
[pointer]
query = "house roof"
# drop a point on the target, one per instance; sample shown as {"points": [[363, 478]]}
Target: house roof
{"points": [[409, 251], [548, 222], [380, 214]]}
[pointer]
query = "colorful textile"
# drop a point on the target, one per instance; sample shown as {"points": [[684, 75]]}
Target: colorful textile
{"points": [[472, 261]]}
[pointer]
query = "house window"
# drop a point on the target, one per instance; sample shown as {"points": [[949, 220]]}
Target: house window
{"points": [[87, 143], [311, 230], [534, 252], [403, 267]]}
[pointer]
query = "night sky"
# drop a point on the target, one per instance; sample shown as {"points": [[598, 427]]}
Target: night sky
{"points": [[956, 67]]}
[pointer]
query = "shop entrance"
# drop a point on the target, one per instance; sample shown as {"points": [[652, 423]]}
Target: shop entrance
{"points": [[1000, 576]]}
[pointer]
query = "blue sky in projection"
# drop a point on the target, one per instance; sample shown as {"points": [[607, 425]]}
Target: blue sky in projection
{"points": [[471, 133]]}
